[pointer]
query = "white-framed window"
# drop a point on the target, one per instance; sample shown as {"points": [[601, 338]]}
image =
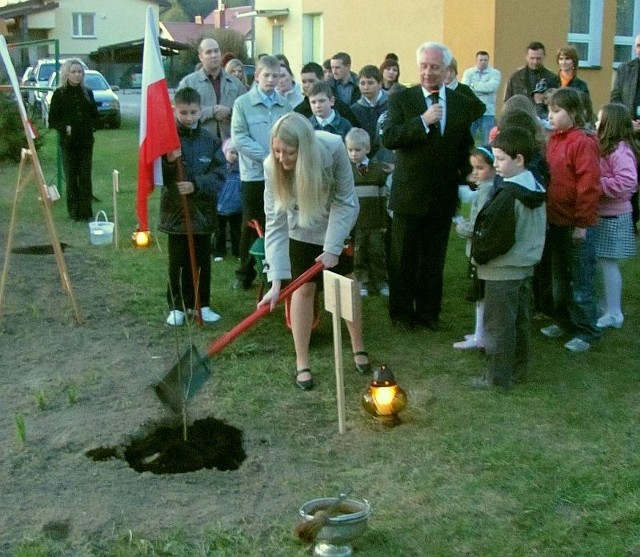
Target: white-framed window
{"points": [[277, 39], [84, 25], [312, 46], [585, 30], [627, 22]]}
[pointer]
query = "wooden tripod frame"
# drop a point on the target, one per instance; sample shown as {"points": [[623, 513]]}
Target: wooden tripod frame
{"points": [[42, 187], [53, 235]]}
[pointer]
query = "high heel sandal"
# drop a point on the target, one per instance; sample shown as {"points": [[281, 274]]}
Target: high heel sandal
{"points": [[362, 369], [306, 384]]}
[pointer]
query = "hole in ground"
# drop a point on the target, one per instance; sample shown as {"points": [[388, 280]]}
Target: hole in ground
{"points": [[210, 444], [44, 249]]}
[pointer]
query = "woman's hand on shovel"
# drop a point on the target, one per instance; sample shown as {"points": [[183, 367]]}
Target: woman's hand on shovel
{"points": [[329, 260], [272, 295]]}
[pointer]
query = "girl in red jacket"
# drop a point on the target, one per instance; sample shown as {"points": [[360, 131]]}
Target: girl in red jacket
{"points": [[572, 214]]}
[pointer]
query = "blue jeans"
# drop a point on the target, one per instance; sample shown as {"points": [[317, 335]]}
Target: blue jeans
{"points": [[483, 126], [574, 275]]}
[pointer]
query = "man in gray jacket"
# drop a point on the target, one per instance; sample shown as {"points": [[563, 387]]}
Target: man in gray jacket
{"points": [[218, 90]]}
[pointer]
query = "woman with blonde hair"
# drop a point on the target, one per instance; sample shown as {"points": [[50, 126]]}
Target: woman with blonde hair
{"points": [[73, 112], [311, 207], [235, 68]]}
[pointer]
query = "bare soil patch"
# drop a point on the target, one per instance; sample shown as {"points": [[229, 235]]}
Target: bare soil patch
{"points": [[80, 387]]}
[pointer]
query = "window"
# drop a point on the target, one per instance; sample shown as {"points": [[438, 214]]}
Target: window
{"points": [[312, 32], [627, 19], [585, 30], [83, 25], [277, 39]]}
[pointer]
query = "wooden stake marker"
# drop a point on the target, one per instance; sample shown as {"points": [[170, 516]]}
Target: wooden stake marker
{"points": [[340, 300]]}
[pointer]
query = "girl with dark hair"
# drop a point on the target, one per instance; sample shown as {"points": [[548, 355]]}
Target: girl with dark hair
{"points": [[572, 213], [390, 70], [615, 238]]}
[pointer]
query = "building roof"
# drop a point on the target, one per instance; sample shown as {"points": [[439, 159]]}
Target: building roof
{"points": [[184, 32], [27, 8], [130, 52], [228, 19]]}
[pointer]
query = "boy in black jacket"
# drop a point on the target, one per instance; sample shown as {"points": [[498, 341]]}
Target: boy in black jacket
{"points": [[508, 238], [200, 153]]}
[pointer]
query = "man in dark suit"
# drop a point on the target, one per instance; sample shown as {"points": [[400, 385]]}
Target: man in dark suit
{"points": [[626, 89], [428, 127]]}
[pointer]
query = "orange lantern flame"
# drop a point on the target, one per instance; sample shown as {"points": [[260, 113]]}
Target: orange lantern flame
{"points": [[141, 238], [384, 398]]}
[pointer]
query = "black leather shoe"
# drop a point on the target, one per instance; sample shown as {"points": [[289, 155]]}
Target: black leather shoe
{"points": [[481, 382], [403, 325], [362, 369], [240, 284], [433, 324], [307, 384]]}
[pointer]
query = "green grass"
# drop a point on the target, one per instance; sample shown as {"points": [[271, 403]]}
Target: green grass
{"points": [[550, 469]]}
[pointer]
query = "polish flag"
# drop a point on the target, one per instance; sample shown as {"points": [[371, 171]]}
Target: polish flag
{"points": [[158, 133]]}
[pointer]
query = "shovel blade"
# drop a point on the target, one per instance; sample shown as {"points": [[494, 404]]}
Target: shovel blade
{"points": [[183, 380]]}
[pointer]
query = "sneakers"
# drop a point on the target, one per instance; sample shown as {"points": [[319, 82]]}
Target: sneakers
{"points": [[384, 290], [364, 291], [469, 342], [611, 320], [208, 315], [176, 318], [577, 345], [481, 382], [218, 259], [552, 331]]}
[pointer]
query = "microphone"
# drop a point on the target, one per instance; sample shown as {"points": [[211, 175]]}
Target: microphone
{"points": [[434, 95]]}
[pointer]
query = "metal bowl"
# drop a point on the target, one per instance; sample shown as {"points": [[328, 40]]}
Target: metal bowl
{"points": [[334, 538]]}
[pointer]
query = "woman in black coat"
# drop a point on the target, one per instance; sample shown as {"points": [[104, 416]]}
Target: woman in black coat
{"points": [[74, 114]]}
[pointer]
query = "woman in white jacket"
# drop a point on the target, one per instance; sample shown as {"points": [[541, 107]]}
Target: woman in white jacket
{"points": [[311, 206]]}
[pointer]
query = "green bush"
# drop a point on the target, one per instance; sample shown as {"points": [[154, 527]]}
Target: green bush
{"points": [[12, 139]]}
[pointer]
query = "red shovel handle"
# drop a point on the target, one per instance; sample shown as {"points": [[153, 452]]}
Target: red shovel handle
{"points": [[259, 313]]}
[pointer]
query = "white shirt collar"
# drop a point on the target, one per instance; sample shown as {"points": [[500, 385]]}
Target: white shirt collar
{"points": [[442, 97]]}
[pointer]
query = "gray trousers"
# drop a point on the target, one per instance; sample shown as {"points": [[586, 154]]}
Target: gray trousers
{"points": [[507, 329]]}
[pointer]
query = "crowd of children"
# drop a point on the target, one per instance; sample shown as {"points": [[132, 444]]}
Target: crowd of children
{"points": [[552, 206]]}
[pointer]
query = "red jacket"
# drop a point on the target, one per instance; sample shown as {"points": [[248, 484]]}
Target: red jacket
{"points": [[574, 189]]}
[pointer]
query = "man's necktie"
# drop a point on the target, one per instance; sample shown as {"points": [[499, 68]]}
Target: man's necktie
{"points": [[435, 97], [362, 168]]}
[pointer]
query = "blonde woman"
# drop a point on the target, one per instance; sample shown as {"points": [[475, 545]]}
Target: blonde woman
{"points": [[235, 68], [311, 207], [74, 114]]}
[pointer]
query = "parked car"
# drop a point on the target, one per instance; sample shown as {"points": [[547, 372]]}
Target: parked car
{"points": [[132, 77], [106, 100], [27, 96], [40, 77]]}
